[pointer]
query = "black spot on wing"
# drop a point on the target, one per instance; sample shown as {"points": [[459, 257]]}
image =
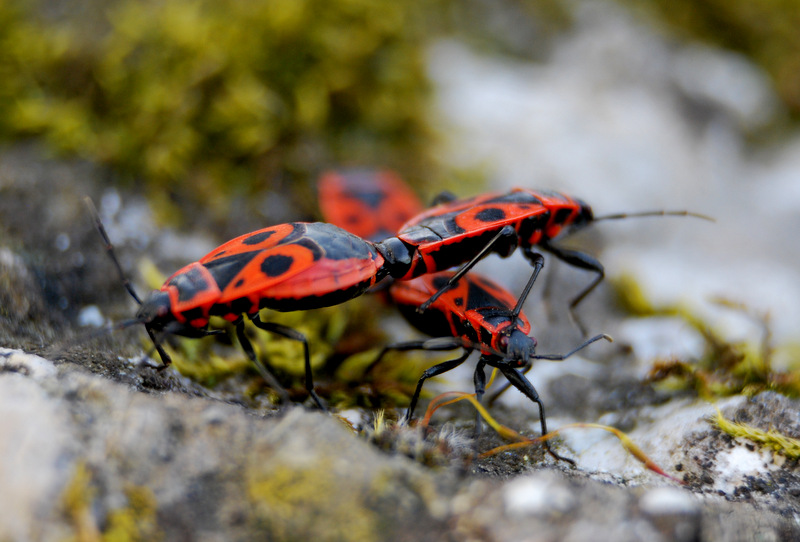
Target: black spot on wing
{"points": [[440, 282], [257, 238], [225, 269], [492, 214], [276, 265]]}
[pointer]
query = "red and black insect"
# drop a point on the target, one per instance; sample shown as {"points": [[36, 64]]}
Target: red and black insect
{"points": [[475, 314], [459, 231], [288, 267], [463, 231], [372, 204]]}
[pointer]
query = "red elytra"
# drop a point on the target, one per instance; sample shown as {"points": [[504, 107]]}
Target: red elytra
{"points": [[441, 235], [474, 314], [476, 310], [372, 204], [463, 231], [287, 267]]}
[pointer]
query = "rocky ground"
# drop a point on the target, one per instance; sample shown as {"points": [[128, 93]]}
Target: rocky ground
{"points": [[94, 445]]}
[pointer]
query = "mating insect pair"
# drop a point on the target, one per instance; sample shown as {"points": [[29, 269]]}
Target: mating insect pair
{"points": [[468, 312], [298, 266]]}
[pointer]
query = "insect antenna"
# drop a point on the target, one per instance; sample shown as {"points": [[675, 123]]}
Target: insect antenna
{"points": [[560, 357], [617, 216], [110, 248]]}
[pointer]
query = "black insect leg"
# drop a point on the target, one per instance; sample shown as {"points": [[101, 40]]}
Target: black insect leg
{"points": [[436, 344], [479, 378], [401, 347], [496, 395], [165, 359], [582, 261], [524, 385], [507, 234], [433, 371], [537, 261], [295, 335], [247, 346]]}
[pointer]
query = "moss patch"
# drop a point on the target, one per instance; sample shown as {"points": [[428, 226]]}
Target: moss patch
{"points": [[132, 523], [726, 367], [780, 443], [312, 503], [207, 99]]}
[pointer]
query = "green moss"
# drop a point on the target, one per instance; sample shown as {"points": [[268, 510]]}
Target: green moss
{"points": [[76, 501], [214, 98], [131, 523], [725, 367], [135, 522], [779, 442], [311, 504]]}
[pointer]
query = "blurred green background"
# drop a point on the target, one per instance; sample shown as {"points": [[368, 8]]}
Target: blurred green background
{"points": [[195, 102]]}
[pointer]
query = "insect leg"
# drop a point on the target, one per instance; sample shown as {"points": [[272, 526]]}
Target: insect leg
{"points": [[537, 261], [582, 261], [550, 357], [479, 379], [524, 385], [433, 371], [165, 359], [496, 395], [436, 344], [507, 233], [295, 335], [247, 346]]}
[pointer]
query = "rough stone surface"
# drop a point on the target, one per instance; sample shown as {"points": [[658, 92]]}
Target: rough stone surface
{"points": [[93, 443]]}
